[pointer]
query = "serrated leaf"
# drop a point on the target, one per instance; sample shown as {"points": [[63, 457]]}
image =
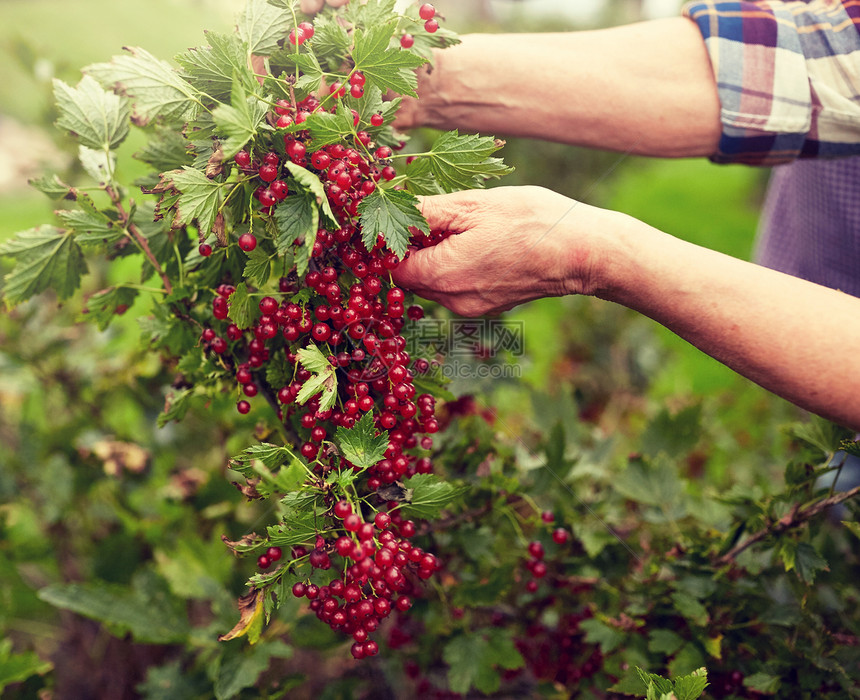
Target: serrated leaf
{"points": [[15, 668], [763, 683], [598, 632], [46, 258], [303, 68], [687, 660], [156, 88], [326, 128], [199, 198], [664, 642], [360, 444], [212, 69], [250, 618], [322, 381], [474, 660], [166, 150], [690, 608], [241, 670], [296, 219], [808, 562], [99, 165], [272, 456], [53, 186], [330, 40], [692, 686], [311, 183], [258, 269], [261, 26], [387, 68], [661, 685], [464, 162], [241, 307], [239, 122], [429, 495], [89, 224], [100, 119], [102, 306], [177, 406], [370, 13], [390, 213]]}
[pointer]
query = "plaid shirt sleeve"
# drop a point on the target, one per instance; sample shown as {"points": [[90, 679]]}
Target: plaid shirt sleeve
{"points": [[788, 75]]}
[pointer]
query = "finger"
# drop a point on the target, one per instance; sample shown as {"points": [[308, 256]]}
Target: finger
{"points": [[309, 7], [449, 212], [336, 3]]}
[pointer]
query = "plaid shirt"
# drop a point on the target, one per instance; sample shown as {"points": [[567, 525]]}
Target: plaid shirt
{"points": [[789, 83]]}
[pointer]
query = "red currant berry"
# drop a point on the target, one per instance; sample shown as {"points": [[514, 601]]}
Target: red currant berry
{"points": [[205, 250], [274, 553], [407, 41], [431, 25], [263, 561], [427, 11], [377, 120], [247, 242], [243, 407], [560, 536]]}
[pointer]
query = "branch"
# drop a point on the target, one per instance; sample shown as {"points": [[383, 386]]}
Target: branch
{"points": [[797, 516], [139, 238]]}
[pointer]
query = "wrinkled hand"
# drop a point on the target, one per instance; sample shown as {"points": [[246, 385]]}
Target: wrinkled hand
{"points": [[311, 6], [509, 245]]}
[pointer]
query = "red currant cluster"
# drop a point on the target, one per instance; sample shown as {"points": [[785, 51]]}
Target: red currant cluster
{"points": [[348, 310], [536, 565], [380, 576], [431, 25]]}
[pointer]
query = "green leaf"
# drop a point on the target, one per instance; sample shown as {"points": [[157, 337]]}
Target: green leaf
{"points": [[305, 65], [258, 269], [330, 39], [212, 69], [89, 224], [99, 165], [808, 562], [261, 26], [427, 495], [673, 434], [242, 670], [692, 686], [15, 668], [474, 658], [387, 68], [598, 632], [241, 307], [176, 407], [370, 13], [322, 381], [763, 682], [311, 183], [655, 483], [148, 614], [172, 681], [47, 258], [390, 213], [102, 306], [690, 608], [853, 527], [100, 119], [660, 684], [664, 642], [199, 199], [165, 150], [327, 128], [239, 122], [296, 219], [156, 88], [464, 162], [687, 660], [360, 444], [53, 186]]}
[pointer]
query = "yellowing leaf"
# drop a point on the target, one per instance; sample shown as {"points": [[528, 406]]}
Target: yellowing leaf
{"points": [[250, 618]]}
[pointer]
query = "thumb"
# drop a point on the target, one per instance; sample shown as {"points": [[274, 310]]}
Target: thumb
{"points": [[411, 269]]}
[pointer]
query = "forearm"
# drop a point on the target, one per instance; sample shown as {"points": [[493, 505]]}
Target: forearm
{"points": [[646, 88], [795, 338]]}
